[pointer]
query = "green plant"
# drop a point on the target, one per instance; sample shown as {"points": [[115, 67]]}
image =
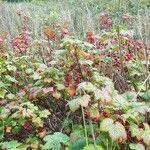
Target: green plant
{"points": [[54, 141]]}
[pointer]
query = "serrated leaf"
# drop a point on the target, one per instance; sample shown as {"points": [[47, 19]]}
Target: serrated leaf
{"points": [[131, 116], [80, 101], [116, 131], [120, 101], [87, 86], [84, 100], [74, 105], [140, 107], [105, 124], [54, 141], [102, 80]]}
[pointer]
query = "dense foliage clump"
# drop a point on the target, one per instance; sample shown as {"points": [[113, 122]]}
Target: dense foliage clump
{"points": [[59, 92]]}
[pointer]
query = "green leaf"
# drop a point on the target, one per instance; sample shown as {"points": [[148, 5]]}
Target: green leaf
{"points": [[129, 96], [44, 114], [76, 135], [116, 131], [60, 86], [11, 145], [74, 105], [60, 52], [53, 142], [136, 146], [52, 73], [120, 101], [2, 93], [37, 121], [11, 79], [79, 144], [102, 80], [87, 86], [39, 83], [134, 130], [146, 126], [80, 101], [84, 100], [146, 95], [146, 137], [2, 85], [105, 124], [131, 116], [140, 107], [98, 94]]}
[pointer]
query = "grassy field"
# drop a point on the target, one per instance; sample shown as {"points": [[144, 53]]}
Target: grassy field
{"points": [[81, 16]]}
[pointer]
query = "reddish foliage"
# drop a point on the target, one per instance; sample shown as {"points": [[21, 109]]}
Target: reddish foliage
{"points": [[21, 42], [27, 125], [90, 37]]}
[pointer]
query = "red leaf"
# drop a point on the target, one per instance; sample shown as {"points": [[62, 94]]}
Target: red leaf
{"points": [[72, 90]]}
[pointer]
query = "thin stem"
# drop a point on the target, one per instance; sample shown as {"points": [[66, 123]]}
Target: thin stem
{"points": [[107, 144], [120, 52], [119, 40], [85, 129], [66, 119], [142, 85], [92, 131]]}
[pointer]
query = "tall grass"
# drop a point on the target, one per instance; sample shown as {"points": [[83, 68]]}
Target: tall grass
{"points": [[81, 15]]}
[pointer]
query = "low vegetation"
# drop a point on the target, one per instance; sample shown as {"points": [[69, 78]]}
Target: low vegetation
{"points": [[72, 86]]}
